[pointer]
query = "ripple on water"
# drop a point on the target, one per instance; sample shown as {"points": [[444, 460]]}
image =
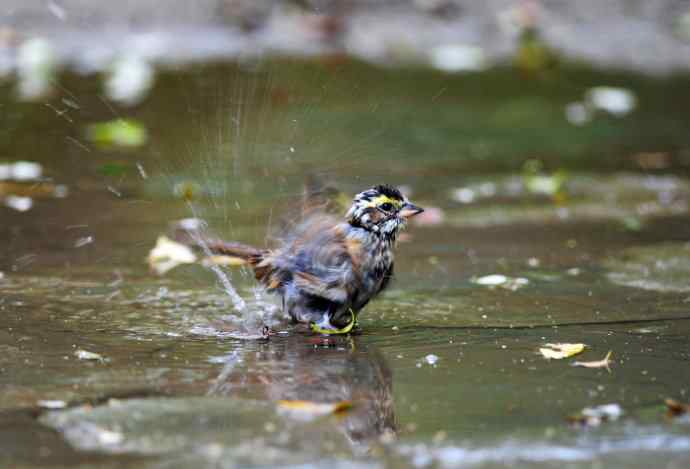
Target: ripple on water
{"points": [[662, 267]]}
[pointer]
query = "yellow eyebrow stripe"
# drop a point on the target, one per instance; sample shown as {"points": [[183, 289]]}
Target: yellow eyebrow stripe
{"points": [[382, 199]]}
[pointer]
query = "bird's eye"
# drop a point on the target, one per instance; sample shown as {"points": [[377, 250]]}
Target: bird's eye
{"points": [[387, 206]]}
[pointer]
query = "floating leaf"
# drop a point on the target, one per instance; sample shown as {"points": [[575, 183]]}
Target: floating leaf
{"points": [[603, 363], [676, 408], [118, 132], [559, 351], [168, 254], [310, 409]]}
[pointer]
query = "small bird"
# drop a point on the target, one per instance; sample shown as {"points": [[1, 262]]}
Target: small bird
{"points": [[326, 270]]}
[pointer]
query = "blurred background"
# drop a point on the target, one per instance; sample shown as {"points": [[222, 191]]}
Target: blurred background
{"points": [[548, 140]]}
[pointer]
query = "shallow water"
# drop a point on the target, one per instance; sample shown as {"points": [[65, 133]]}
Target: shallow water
{"points": [[183, 381]]}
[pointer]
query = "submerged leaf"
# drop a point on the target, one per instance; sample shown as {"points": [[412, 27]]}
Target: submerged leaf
{"points": [[603, 363], [559, 351]]}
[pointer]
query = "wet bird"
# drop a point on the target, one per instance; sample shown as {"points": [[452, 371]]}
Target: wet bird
{"points": [[327, 269]]}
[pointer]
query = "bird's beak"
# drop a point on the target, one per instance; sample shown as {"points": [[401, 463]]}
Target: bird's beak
{"points": [[410, 210]]}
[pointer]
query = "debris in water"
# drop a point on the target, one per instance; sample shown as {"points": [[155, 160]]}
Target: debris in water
{"points": [[431, 359], [616, 101], [464, 195], [458, 58], [187, 190], [126, 133], [603, 363], [81, 242], [595, 416], [108, 437], [86, 355], [308, 410], [578, 113], [168, 254], [539, 182], [142, 171], [560, 351], [491, 280], [503, 281], [130, 79], [676, 408], [36, 67], [20, 204], [52, 404], [25, 171]]}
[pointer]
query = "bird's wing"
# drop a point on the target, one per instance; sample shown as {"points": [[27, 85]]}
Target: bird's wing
{"points": [[313, 285], [318, 258]]}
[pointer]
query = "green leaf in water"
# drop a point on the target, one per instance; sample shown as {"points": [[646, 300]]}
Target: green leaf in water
{"points": [[118, 132]]}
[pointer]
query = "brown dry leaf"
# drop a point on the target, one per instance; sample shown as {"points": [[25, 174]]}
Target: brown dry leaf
{"points": [[310, 409], [560, 351], [603, 363], [676, 408]]}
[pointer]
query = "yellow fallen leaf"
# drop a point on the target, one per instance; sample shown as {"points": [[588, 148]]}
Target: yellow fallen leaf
{"points": [[559, 351], [168, 254], [313, 409], [603, 363]]}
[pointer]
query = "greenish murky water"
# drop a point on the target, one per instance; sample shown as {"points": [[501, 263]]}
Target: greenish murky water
{"points": [[445, 371]]}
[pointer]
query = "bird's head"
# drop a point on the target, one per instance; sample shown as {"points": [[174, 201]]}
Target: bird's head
{"points": [[382, 210]]}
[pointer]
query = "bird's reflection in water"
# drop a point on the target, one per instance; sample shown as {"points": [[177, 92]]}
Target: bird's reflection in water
{"points": [[321, 370]]}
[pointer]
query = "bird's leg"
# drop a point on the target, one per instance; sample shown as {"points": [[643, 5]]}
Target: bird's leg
{"points": [[325, 327]]}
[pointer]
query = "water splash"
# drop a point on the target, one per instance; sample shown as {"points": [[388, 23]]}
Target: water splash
{"points": [[238, 302]]}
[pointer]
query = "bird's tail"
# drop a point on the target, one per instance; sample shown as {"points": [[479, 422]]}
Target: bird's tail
{"points": [[192, 232]]}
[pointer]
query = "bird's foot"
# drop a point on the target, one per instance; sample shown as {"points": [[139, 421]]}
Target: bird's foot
{"points": [[325, 327]]}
